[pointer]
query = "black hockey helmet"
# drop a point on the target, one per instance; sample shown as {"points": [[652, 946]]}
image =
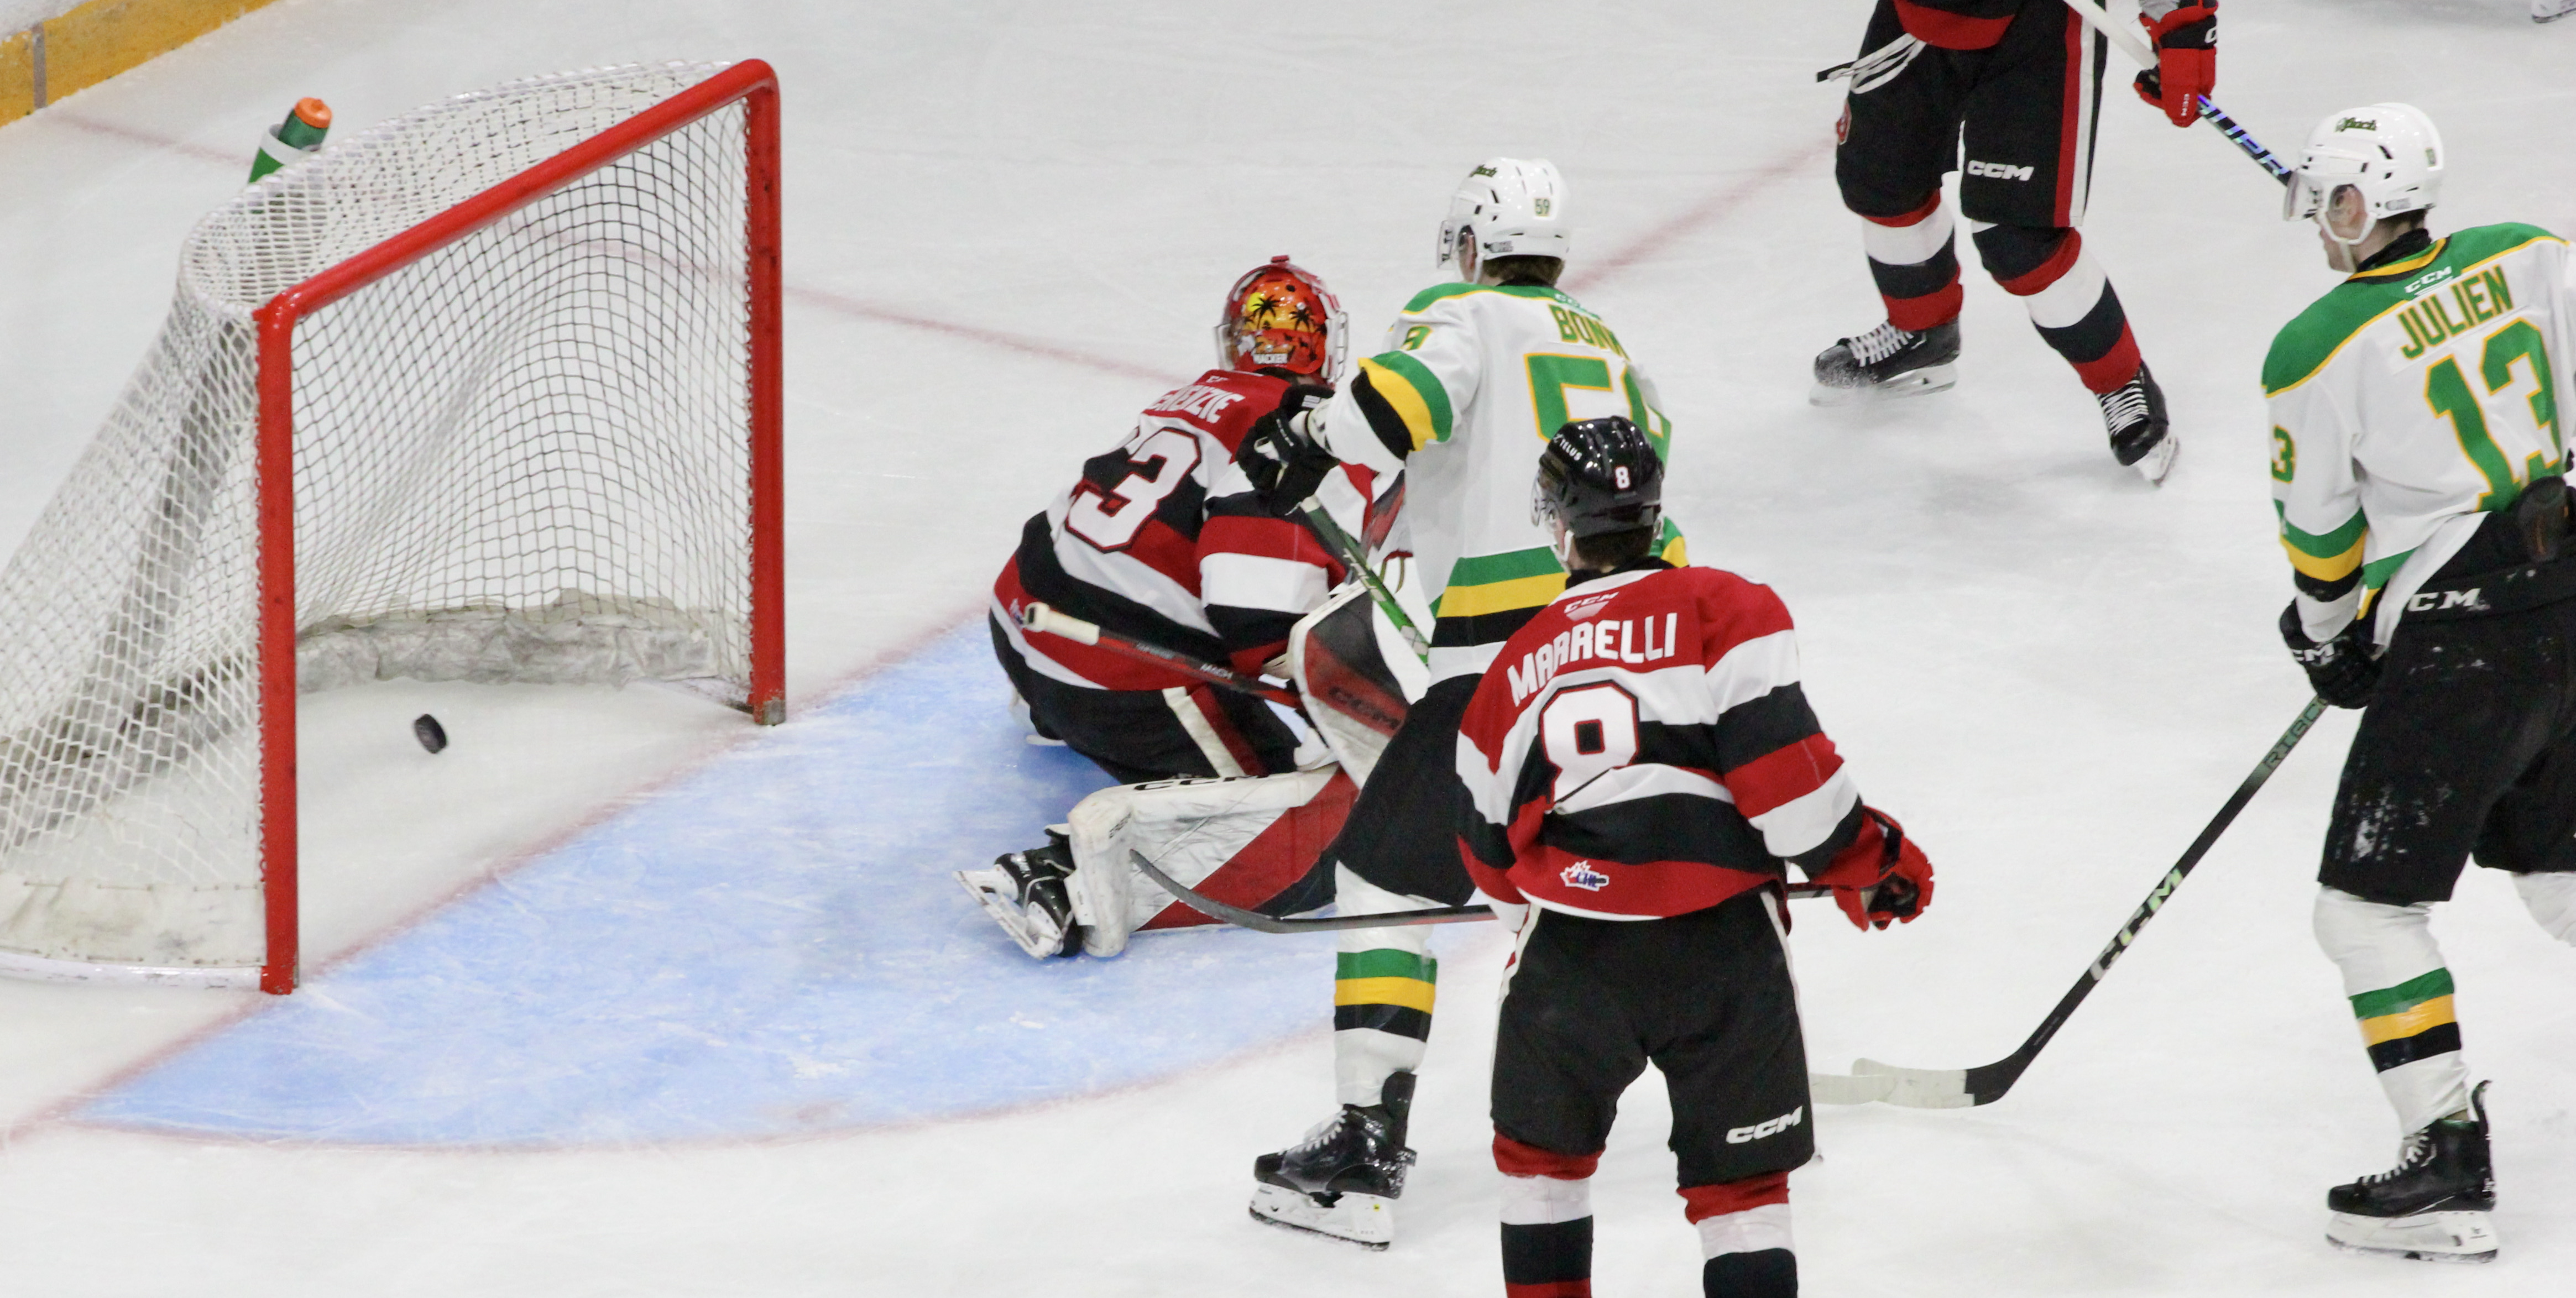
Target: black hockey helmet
{"points": [[1597, 476]]}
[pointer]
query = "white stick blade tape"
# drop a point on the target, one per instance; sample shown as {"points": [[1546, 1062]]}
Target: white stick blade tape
{"points": [[1919, 1088]]}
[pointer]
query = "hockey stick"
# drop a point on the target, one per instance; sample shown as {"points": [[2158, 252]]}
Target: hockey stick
{"points": [[1046, 621], [1356, 559], [1260, 923], [2129, 44], [1959, 1088]]}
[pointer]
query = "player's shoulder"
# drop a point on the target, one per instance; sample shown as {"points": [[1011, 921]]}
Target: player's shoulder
{"points": [[1469, 297], [2314, 337], [2487, 242]]}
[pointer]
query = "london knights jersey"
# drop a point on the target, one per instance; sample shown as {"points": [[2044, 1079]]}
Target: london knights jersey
{"points": [[2416, 397], [1643, 749], [1473, 381], [1162, 540]]}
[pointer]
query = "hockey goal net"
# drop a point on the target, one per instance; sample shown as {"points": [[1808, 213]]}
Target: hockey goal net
{"points": [[489, 392]]}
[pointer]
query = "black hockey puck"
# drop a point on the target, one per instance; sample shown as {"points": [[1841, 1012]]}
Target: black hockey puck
{"points": [[431, 735]]}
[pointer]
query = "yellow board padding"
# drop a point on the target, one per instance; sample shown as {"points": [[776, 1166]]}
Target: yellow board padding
{"points": [[101, 39], [1411, 993], [2406, 1023]]}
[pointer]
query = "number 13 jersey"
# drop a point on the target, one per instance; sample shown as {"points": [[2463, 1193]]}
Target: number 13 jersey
{"points": [[1643, 749], [1474, 379], [2412, 399]]}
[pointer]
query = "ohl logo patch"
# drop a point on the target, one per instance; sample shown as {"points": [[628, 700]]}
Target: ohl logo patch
{"points": [[1582, 875]]}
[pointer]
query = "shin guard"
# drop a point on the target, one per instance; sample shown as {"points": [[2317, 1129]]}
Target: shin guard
{"points": [[2070, 301], [1384, 980], [1914, 260], [2401, 994]]}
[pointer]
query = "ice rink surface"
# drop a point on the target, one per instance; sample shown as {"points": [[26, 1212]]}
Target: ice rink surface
{"points": [[618, 997]]}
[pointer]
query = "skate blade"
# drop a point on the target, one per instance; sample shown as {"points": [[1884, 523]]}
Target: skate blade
{"points": [[1041, 941], [2425, 1237], [2159, 460], [1913, 383], [1363, 1219]]}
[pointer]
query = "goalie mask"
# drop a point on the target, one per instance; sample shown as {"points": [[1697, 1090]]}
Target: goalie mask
{"points": [[1280, 316], [1597, 476], [2388, 153], [1509, 208]]}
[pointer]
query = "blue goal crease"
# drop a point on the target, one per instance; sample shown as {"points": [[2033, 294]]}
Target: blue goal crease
{"points": [[771, 946]]}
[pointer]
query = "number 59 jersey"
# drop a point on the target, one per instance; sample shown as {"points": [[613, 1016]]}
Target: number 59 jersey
{"points": [[2408, 402], [1473, 381], [1643, 748]]}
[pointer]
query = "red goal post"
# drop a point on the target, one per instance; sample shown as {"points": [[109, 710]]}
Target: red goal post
{"points": [[488, 392], [751, 83]]}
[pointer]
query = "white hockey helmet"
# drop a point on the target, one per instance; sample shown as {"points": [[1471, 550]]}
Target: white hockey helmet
{"points": [[2390, 153], [1512, 208]]}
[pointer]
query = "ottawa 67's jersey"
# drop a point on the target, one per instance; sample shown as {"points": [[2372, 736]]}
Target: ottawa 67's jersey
{"points": [[1473, 381], [1162, 540], [1643, 749], [2415, 398]]}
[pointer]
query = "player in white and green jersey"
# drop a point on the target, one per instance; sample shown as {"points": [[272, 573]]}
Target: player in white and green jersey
{"points": [[2419, 452], [1474, 377]]}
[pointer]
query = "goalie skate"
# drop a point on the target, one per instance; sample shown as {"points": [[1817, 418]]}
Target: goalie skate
{"points": [[1025, 893]]}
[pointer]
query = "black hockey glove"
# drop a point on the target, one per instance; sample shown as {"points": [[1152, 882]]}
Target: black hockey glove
{"points": [[1281, 455], [2343, 670]]}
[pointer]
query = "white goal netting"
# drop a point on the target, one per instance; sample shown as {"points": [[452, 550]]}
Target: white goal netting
{"points": [[521, 457]]}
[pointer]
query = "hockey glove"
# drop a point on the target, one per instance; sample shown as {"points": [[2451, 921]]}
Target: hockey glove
{"points": [[2186, 42], [1899, 876], [2343, 670], [1283, 455]]}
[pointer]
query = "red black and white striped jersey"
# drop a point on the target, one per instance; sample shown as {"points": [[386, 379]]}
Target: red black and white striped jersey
{"points": [[1643, 749], [1163, 541]]}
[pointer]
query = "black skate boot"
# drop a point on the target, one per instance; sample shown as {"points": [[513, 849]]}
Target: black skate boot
{"points": [[1887, 362], [1343, 1179], [2433, 1205], [2141, 437], [1025, 893]]}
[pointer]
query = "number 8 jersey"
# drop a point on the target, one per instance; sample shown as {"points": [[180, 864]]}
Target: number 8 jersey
{"points": [[1474, 379], [1643, 749], [2415, 397]]}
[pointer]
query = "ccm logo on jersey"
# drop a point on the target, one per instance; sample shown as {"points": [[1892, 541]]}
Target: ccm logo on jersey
{"points": [[1589, 605], [1582, 875], [1999, 170], [2430, 600], [1766, 1127]]}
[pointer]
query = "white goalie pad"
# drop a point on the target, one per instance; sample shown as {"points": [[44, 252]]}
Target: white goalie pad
{"points": [[1243, 841], [1351, 667]]}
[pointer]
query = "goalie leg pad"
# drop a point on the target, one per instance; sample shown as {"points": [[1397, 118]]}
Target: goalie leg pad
{"points": [[1242, 841]]}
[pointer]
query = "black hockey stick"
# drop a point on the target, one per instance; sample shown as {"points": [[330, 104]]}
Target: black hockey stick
{"points": [[1047, 621], [1355, 557], [1260, 923], [2209, 112], [1959, 1088]]}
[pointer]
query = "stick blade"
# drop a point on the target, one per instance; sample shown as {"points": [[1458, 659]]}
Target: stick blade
{"points": [[1919, 1088], [1840, 1088]]}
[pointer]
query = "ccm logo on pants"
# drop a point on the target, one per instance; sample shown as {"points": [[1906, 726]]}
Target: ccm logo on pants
{"points": [[1766, 1127], [1998, 170]]}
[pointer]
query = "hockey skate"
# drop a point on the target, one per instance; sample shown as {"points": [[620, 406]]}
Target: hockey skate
{"points": [[1025, 893], [2141, 437], [2433, 1206], [1343, 1179], [1887, 362], [2550, 11]]}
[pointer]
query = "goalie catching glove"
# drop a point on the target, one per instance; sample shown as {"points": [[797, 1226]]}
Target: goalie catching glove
{"points": [[1283, 455], [2186, 41], [1882, 877]]}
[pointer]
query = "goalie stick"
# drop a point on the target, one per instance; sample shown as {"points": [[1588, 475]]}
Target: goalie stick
{"points": [[2129, 44], [1046, 621], [1959, 1088], [1260, 923]]}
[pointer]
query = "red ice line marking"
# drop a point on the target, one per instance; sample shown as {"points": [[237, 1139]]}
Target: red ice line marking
{"points": [[1712, 209]]}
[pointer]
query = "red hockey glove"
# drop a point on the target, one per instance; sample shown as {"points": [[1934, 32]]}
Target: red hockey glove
{"points": [[2186, 42], [1898, 878]]}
